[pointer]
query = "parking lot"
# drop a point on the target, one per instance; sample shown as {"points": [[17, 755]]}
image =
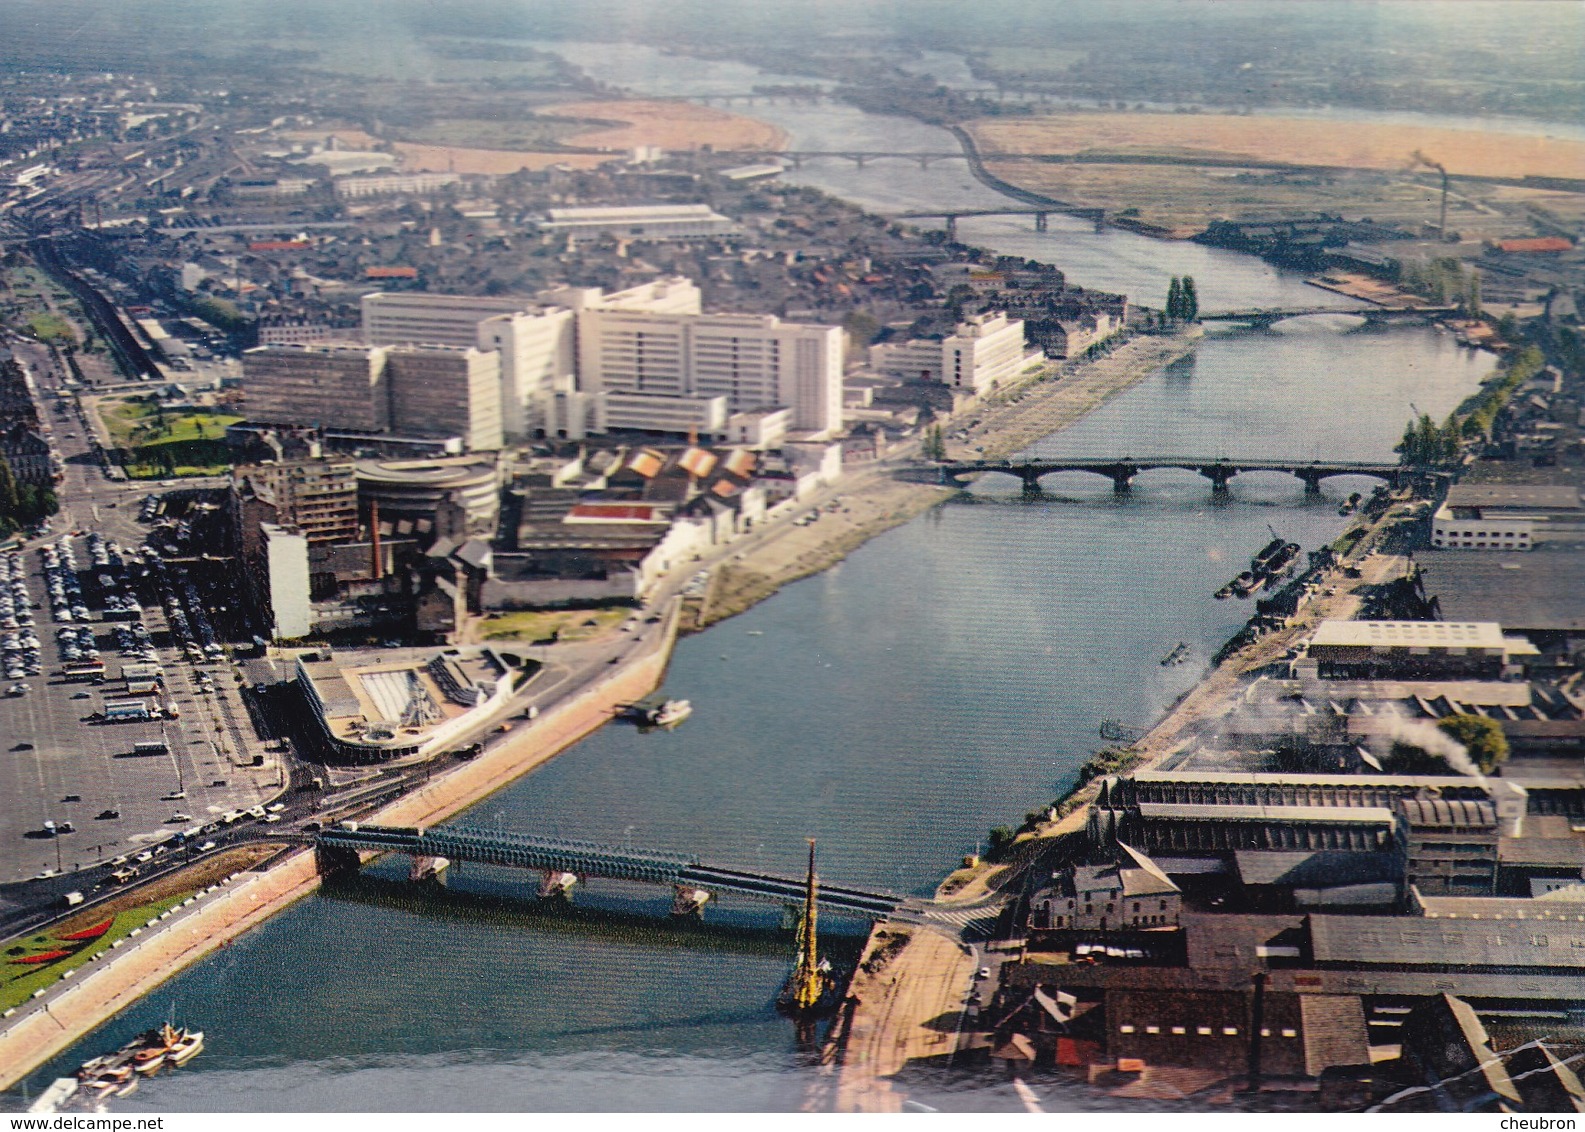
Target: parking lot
{"points": [[123, 723]]}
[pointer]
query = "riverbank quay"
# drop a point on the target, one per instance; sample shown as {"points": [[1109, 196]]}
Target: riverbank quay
{"points": [[1011, 422], [888, 1023], [243, 904], [909, 984], [872, 501], [98, 995]]}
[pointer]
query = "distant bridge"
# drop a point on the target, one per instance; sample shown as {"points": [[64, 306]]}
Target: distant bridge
{"points": [[588, 859], [1121, 471], [1268, 316], [953, 215], [859, 157]]}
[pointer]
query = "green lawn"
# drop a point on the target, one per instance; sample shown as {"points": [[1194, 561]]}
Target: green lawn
{"points": [[185, 442], [48, 327], [557, 624], [19, 982]]}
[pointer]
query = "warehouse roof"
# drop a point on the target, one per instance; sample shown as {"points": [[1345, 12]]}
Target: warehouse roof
{"points": [[1445, 943], [1410, 634], [1337, 815], [1531, 497], [1535, 590]]}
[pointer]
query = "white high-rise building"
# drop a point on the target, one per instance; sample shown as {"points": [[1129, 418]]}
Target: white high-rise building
{"points": [[984, 351], [575, 360], [754, 361]]}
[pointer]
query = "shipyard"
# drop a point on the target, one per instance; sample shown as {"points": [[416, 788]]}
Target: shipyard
{"points": [[964, 595]]}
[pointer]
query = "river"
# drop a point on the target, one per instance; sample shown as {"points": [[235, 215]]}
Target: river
{"points": [[945, 678]]}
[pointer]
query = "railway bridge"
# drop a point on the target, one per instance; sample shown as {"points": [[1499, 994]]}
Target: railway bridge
{"points": [[1220, 470], [692, 880], [1041, 215]]}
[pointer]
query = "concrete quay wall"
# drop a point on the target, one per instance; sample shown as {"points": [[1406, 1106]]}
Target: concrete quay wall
{"points": [[116, 983]]}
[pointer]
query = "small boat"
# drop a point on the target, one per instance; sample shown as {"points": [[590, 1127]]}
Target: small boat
{"points": [[1179, 653], [670, 713], [181, 1046], [128, 1089], [1245, 584], [149, 1059], [1224, 593]]}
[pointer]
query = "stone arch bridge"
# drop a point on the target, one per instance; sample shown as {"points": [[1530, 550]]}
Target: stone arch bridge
{"points": [[1122, 470]]}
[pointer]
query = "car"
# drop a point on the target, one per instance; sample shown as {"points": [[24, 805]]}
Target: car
{"points": [[22, 746], [46, 874], [206, 846], [66, 827], [275, 807], [178, 816], [985, 972], [108, 815], [82, 695], [144, 857], [72, 798]]}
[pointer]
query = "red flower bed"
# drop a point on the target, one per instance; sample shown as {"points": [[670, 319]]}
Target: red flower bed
{"points": [[42, 957], [93, 932]]}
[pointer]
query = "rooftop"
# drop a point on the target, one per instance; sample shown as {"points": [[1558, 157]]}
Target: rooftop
{"points": [[1544, 497], [1407, 634], [1536, 590]]}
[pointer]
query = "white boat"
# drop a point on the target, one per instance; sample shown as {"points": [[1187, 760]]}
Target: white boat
{"points": [[181, 1046], [670, 713]]}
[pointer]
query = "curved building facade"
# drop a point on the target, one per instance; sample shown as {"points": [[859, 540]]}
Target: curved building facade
{"points": [[418, 489]]}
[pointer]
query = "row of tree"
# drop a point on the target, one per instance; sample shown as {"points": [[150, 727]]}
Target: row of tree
{"points": [[22, 504], [1183, 302], [1428, 444], [1444, 281]]}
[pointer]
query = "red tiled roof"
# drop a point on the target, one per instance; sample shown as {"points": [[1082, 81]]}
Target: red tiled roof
{"points": [[390, 273], [1537, 244]]}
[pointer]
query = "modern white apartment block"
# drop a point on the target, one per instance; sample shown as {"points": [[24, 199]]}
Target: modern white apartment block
{"points": [[286, 573], [751, 360], [381, 184], [984, 351], [538, 358], [398, 318], [640, 222]]}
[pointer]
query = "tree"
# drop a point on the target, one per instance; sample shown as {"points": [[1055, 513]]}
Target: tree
{"points": [[1174, 299], [1472, 296], [1508, 327], [10, 496], [1190, 300], [935, 444], [1481, 737]]}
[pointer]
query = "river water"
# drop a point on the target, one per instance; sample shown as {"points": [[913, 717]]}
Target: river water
{"points": [[945, 678]]}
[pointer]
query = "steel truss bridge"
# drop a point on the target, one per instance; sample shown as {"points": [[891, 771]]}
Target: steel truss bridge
{"points": [[588, 859], [1122, 470]]}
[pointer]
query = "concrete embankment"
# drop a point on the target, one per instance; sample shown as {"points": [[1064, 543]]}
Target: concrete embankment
{"points": [[873, 502], [116, 983], [112, 985]]}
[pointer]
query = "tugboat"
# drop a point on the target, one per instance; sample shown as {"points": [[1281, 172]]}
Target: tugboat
{"points": [[810, 991], [666, 714]]}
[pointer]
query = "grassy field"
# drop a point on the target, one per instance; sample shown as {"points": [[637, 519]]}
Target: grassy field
{"points": [[184, 442], [536, 133], [557, 624], [1351, 168], [1296, 141], [670, 125], [20, 981], [49, 327]]}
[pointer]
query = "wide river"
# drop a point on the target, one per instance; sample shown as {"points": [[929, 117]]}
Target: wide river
{"points": [[946, 678]]}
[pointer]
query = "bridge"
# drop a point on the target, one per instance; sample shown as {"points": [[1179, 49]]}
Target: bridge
{"points": [[860, 157], [952, 216], [1121, 471], [556, 856], [1266, 317]]}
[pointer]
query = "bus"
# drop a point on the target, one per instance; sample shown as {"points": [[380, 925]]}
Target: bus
{"points": [[85, 671], [142, 672], [120, 711], [151, 747], [142, 687]]}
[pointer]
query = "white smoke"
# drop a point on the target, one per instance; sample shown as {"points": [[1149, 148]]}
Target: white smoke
{"points": [[1433, 741]]}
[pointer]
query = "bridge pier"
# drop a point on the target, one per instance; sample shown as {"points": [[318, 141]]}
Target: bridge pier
{"points": [[1219, 475], [1312, 481], [952, 228], [1031, 480], [1041, 221]]}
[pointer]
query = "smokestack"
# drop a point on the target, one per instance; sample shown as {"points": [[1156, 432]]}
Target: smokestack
{"points": [[374, 530]]}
